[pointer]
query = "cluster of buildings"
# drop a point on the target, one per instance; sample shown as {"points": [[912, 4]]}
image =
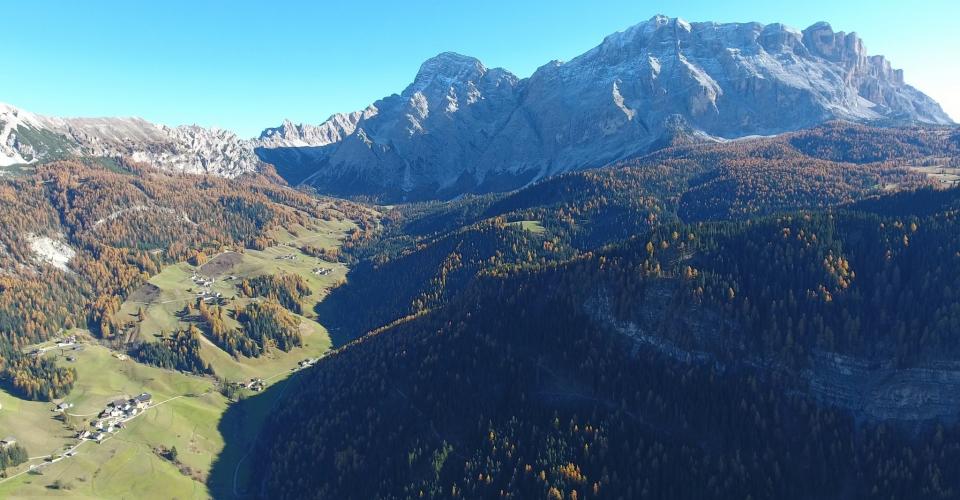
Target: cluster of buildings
{"points": [[287, 257], [208, 296], [113, 417], [322, 271], [201, 280], [67, 341], [305, 363], [205, 282], [62, 343]]}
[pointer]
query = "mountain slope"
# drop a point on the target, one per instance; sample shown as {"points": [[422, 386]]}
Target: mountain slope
{"points": [[461, 127], [26, 138], [778, 358]]}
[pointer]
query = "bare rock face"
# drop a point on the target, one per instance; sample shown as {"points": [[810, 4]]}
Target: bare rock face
{"points": [[461, 127], [881, 392], [26, 138]]}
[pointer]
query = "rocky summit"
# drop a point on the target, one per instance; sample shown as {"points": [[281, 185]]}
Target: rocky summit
{"points": [[462, 127], [27, 138]]}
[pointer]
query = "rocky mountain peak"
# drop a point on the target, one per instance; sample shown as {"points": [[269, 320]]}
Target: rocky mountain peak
{"points": [[822, 41], [27, 138], [460, 127], [446, 69]]}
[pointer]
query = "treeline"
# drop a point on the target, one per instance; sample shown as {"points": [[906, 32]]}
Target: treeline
{"points": [[229, 339], [263, 325], [11, 456], [850, 142], [32, 377], [267, 323], [287, 289], [180, 350]]}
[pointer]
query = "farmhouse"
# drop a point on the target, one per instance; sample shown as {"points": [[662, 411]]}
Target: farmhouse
{"points": [[69, 341], [8, 442], [142, 401], [256, 384]]}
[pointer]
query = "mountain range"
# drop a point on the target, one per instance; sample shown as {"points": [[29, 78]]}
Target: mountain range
{"points": [[27, 138], [461, 127]]}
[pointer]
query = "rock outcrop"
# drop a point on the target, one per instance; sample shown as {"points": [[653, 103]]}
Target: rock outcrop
{"points": [[461, 127], [26, 138]]}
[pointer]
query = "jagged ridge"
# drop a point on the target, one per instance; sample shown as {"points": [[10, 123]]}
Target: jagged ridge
{"points": [[26, 138], [461, 127]]}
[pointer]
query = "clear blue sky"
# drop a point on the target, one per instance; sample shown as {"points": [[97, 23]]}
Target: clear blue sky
{"points": [[246, 65]]}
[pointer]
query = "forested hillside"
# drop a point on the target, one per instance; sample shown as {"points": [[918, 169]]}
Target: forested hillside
{"points": [[79, 238], [766, 318], [428, 251], [670, 366]]}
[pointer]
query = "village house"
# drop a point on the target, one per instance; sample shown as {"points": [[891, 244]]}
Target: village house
{"points": [[8, 442], [69, 341], [142, 401]]}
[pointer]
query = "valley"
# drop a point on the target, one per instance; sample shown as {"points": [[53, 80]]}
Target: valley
{"points": [[187, 409], [699, 260]]}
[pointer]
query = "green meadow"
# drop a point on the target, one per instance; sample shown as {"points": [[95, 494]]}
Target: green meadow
{"points": [[187, 409]]}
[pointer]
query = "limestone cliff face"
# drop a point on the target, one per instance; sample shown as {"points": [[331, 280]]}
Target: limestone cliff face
{"points": [[461, 127], [27, 138]]}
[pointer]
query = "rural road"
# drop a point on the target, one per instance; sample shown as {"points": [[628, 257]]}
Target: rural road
{"points": [[70, 452]]}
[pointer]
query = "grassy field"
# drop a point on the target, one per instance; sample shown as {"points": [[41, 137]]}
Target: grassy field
{"points": [[188, 410], [125, 464], [533, 226], [169, 291]]}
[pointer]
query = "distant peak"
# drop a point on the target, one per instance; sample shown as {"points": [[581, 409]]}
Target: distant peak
{"points": [[453, 57], [659, 19], [657, 26], [662, 20], [450, 64], [820, 26], [448, 67]]}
